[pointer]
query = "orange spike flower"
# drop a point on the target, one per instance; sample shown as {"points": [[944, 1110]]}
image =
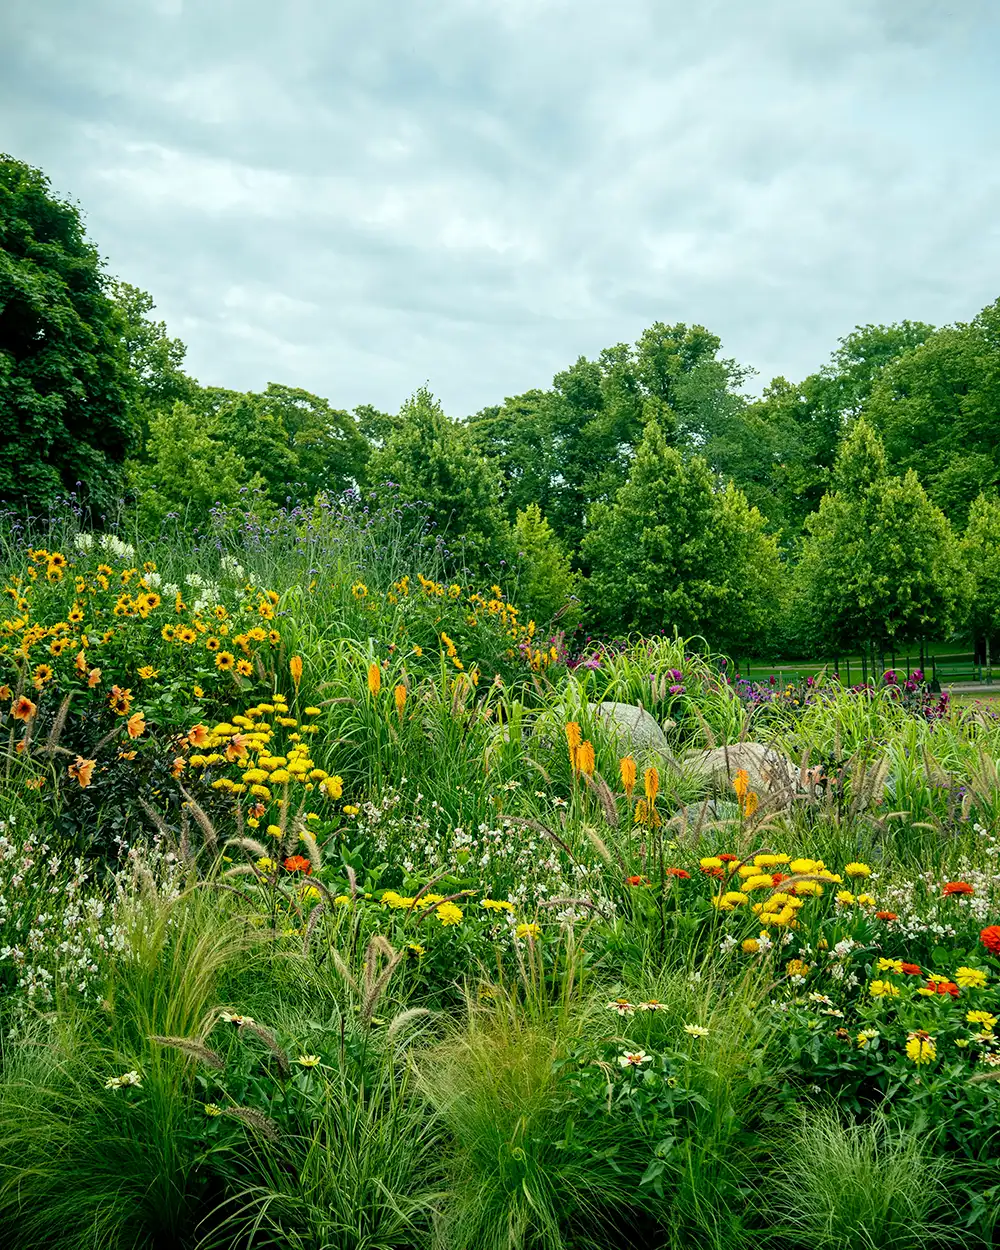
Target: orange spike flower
{"points": [[585, 758], [374, 678], [651, 784], [82, 771], [399, 694], [750, 804], [626, 767], [295, 668], [741, 783]]}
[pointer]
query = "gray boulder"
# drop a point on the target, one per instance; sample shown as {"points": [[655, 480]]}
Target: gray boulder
{"points": [[634, 729]]}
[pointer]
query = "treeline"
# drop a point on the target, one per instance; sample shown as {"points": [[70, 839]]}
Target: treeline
{"points": [[644, 490]]}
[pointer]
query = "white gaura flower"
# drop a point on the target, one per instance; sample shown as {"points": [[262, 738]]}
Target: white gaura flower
{"points": [[634, 1059]]}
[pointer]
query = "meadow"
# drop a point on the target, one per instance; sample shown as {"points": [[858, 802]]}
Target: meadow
{"points": [[342, 906]]}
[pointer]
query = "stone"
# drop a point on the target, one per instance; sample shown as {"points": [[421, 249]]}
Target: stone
{"points": [[771, 774], [637, 732]]}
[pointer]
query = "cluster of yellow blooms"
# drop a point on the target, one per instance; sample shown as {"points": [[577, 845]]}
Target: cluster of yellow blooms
{"points": [[248, 740], [787, 890]]}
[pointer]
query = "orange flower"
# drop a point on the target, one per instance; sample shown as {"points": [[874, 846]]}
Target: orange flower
{"points": [[136, 725], [199, 737], [5, 692], [35, 783], [651, 784], [585, 758], [298, 863], [93, 677], [23, 709], [646, 814], [80, 663], [626, 767], [127, 755], [295, 668], [958, 887], [573, 740], [399, 694], [741, 783], [236, 748], [82, 770], [374, 678], [750, 804], [180, 763]]}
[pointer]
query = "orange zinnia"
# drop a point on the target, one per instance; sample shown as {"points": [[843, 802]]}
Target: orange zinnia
{"points": [[82, 770], [136, 725], [180, 763], [958, 887], [23, 709], [298, 863]]}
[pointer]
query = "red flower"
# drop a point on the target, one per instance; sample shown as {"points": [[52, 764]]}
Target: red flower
{"points": [[635, 881], [886, 915], [728, 859], [943, 987], [679, 873], [714, 872], [958, 887], [298, 863], [778, 877], [990, 938], [912, 970]]}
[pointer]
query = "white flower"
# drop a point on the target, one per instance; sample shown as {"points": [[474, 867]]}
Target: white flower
{"points": [[84, 542], [634, 1059], [127, 1078], [622, 1006], [696, 1030]]}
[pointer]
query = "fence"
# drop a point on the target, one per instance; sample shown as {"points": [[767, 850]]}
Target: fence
{"points": [[941, 668]]}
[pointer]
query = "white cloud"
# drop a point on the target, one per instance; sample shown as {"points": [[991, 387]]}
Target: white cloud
{"points": [[361, 197]]}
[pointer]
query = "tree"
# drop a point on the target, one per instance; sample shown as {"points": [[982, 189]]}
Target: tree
{"points": [[937, 409], [64, 385], [154, 358], [187, 471], [880, 565], [748, 574], [431, 461], [546, 583], [981, 551], [648, 551]]}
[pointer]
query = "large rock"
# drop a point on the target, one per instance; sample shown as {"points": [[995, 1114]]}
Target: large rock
{"points": [[772, 775], [636, 731]]}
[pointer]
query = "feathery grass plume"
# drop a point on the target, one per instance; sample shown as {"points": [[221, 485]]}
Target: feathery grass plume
{"points": [[404, 1019], [271, 1042], [249, 844], [344, 971], [193, 1048], [598, 843], [314, 917], [308, 840], [58, 724], [157, 819], [604, 796], [261, 1124], [352, 881], [201, 819], [374, 985]]}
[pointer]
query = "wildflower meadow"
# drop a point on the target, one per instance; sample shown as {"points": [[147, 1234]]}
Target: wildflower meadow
{"points": [[343, 906]]}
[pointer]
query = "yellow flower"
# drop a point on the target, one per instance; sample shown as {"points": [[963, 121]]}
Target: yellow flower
{"points": [[312, 711], [920, 1048], [883, 989], [295, 668], [796, 968], [147, 672], [333, 788], [374, 679], [585, 758], [496, 904], [891, 965], [266, 865], [970, 978], [448, 913], [857, 870], [308, 1061], [982, 1018], [528, 930], [224, 661], [627, 769], [750, 946], [845, 898], [759, 881], [280, 776]]}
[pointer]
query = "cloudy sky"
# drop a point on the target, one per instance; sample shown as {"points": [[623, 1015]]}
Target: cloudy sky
{"points": [[360, 196]]}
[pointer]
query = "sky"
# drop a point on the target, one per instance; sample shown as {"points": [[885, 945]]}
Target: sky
{"points": [[361, 197]]}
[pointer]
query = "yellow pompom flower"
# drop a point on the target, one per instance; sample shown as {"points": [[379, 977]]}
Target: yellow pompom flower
{"points": [[449, 913], [920, 1048], [857, 870]]}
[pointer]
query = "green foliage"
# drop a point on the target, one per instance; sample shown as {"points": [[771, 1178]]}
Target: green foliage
{"points": [[432, 462], [981, 552], [546, 583], [936, 409], [880, 563], [64, 386]]}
